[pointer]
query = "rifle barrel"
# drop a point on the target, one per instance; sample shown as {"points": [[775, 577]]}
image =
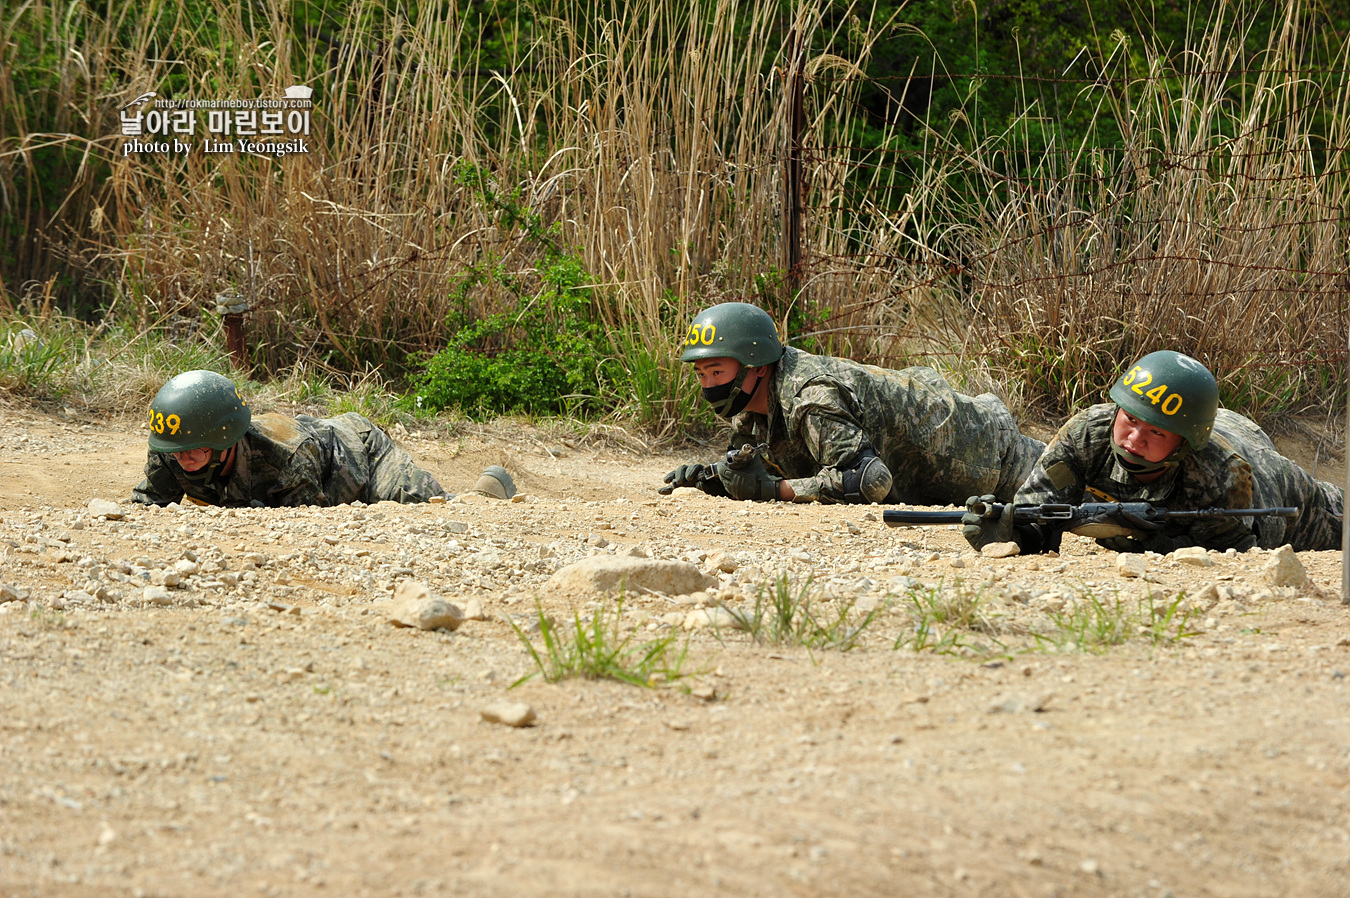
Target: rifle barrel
{"points": [[900, 517], [1279, 512]]}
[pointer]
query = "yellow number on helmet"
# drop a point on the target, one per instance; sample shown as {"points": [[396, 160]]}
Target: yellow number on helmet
{"points": [[1129, 378], [157, 422], [708, 334], [1147, 379], [1172, 404], [692, 339], [242, 400], [173, 421], [1157, 393]]}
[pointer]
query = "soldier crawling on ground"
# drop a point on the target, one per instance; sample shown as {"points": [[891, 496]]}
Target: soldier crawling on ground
{"points": [[205, 443], [840, 431], [1164, 440]]}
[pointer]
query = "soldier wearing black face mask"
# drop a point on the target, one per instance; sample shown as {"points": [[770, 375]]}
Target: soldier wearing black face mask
{"points": [[839, 431]]}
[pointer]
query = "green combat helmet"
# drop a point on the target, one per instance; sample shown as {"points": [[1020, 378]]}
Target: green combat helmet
{"points": [[1171, 391], [735, 330], [197, 410]]}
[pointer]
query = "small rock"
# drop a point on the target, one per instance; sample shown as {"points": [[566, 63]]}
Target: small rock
{"points": [[167, 578], [957, 561], [1013, 704], [473, 610], [415, 606], [720, 561], [157, 595], [1285, 569], [1001, 550], [1205, 598], [1193, 555], [186, 567], [103, 508], [715, 617], [597, 541], [512, 714], [12, 593], [633, 551], [1129, 564]]}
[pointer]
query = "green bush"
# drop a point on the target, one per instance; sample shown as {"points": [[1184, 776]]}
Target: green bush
{"points": [[543, 352]]}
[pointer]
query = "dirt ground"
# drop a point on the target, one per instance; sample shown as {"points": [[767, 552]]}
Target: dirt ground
{"points": [[266, 731]]}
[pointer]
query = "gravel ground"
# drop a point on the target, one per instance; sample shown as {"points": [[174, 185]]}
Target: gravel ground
{"points": [[200, 701]]}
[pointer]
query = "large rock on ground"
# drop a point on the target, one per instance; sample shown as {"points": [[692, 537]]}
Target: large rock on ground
{"points": [[1284, 569], [611, 573]]}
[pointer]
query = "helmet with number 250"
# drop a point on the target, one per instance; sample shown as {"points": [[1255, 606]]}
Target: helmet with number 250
{"points": [[197, 410], [734, 330], [1171, 391]]}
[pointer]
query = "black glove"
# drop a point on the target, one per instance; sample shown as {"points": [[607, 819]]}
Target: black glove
{"points": [[982, 529], [703, 477], [753, 481]]}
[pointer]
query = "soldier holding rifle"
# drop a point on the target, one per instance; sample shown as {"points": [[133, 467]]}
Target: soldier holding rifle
{"points": [[1164, 440]]}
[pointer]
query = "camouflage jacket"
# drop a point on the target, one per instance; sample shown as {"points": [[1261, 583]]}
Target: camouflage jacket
{"points": [[1238, 468], [941, 446], [284, 461]]}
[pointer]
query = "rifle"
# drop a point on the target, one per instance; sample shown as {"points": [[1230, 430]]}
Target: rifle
{"points": [[1092, 519]]}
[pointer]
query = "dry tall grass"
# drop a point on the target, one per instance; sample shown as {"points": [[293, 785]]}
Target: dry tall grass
{"points": [[1217, 228], [655, 138]]}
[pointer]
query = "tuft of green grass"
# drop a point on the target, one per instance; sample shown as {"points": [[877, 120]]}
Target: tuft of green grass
{"points": [[946, 621], [36, 361], [600, 649], [781, 616], [1092, 624]]}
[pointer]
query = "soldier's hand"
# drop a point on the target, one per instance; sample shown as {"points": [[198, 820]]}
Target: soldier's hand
{"points": [[703, 477], [982, 526], [750, 482]]}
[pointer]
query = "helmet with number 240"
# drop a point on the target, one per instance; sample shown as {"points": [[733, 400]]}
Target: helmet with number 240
{"points": [[1171, 391], [197, 410]]}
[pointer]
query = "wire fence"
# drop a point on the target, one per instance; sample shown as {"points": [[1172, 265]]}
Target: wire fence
{"points": [[1053, 260]]}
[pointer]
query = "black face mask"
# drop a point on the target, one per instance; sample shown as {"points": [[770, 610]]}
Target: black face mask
{"points": [[729, 400]]}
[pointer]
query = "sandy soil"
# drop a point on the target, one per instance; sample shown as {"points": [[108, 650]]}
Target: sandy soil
{"points": [[268, 732]]}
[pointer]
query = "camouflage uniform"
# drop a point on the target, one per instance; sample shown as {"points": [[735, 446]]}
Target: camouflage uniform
{"points": [[940, 446], [283, 461], [1238, 468]]}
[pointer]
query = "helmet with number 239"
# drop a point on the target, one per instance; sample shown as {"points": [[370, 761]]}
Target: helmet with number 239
{"points": [[198, 410], [1171, 391]]}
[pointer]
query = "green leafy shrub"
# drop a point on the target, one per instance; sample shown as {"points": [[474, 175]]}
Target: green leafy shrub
{"points": [[542, 352]]}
